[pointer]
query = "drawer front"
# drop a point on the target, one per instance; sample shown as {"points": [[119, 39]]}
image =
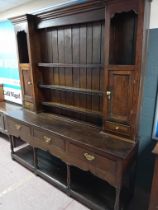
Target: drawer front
{"points": [[118, 128], [47, 141], [18, 129], [98, 165]]}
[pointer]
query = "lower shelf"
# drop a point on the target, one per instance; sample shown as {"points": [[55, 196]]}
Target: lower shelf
{"points": [[91, 190], [52, 169], [84, 187], [24, 155]]}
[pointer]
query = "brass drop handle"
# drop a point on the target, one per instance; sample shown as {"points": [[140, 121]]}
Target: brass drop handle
{"points": [[29, 83], [47, 139], [18, 127], [108, 93], [117, 128], [89, 157]]}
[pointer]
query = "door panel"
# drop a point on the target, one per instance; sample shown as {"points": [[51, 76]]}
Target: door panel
{"points": [[26, 83], [119, 105], [119, 98]]}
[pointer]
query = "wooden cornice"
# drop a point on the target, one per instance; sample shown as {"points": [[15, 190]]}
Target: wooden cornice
{"points": [[64, 10], [18, 19], [70, 9], [22, 18]]}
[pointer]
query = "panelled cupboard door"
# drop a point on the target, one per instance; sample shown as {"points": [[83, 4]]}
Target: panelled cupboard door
{"points": [[27, 87], [118, 102]]}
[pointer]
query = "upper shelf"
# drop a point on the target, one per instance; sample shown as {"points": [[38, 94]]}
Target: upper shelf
{"points": [[66, 65], [92, 66]]}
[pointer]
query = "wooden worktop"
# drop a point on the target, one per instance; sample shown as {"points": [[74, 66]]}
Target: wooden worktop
{"points": [[78, 132]]}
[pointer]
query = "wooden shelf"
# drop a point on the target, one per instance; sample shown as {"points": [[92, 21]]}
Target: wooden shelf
{"points": [[121, 67], [73, 108], [66, 65], [73, 89]]}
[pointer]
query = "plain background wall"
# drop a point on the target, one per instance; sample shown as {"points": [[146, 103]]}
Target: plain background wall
{"points": [[154, 14], [146, 158], [146, 143]]}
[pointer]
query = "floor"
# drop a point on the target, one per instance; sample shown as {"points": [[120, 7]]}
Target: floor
{"points": [[22, 190]]}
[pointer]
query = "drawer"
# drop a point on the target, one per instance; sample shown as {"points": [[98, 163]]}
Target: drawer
{"points": [[101, 166], [47, 141], [118, 128], [18, 129]]}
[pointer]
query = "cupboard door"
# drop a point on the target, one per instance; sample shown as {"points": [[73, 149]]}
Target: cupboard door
{"points": [[27, 86], [118, 102]]}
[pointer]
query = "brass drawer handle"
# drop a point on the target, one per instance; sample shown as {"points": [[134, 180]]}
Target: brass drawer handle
{"points": [[47, 139], [89, 157], [117, 128], [18, 127]]}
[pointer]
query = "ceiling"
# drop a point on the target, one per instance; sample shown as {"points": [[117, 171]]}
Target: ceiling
{"points": [[13, 8], [9, 4]]}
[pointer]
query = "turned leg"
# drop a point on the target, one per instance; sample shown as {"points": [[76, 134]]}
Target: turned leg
{"points": [[117, 199], [35, 158], [68, 179], [11, 138], [132, 178]]}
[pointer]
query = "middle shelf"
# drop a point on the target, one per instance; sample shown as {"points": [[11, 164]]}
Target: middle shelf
{"points": [[73, 89]]}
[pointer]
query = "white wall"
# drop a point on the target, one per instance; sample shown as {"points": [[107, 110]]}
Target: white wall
{"points": [[154, 14], [31, 7], [36, 5]]}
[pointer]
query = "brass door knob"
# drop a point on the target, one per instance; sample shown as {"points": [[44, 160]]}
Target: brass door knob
{"points": [[108, 93], [29, 83]]}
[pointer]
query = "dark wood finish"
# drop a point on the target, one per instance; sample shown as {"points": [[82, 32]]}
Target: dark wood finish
{"points": [[98, 165], [72, 108], [124, 43], [18, 129], [119, 128], [72, 89], [1, 122], [121, 67], [84, 62], [26, 83], [106, 158], [3, 127], [78, 68], [22, 47], [89, 11], [119, 102], [66, 65], [153, 205], [28, 53], [122, 38]]}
